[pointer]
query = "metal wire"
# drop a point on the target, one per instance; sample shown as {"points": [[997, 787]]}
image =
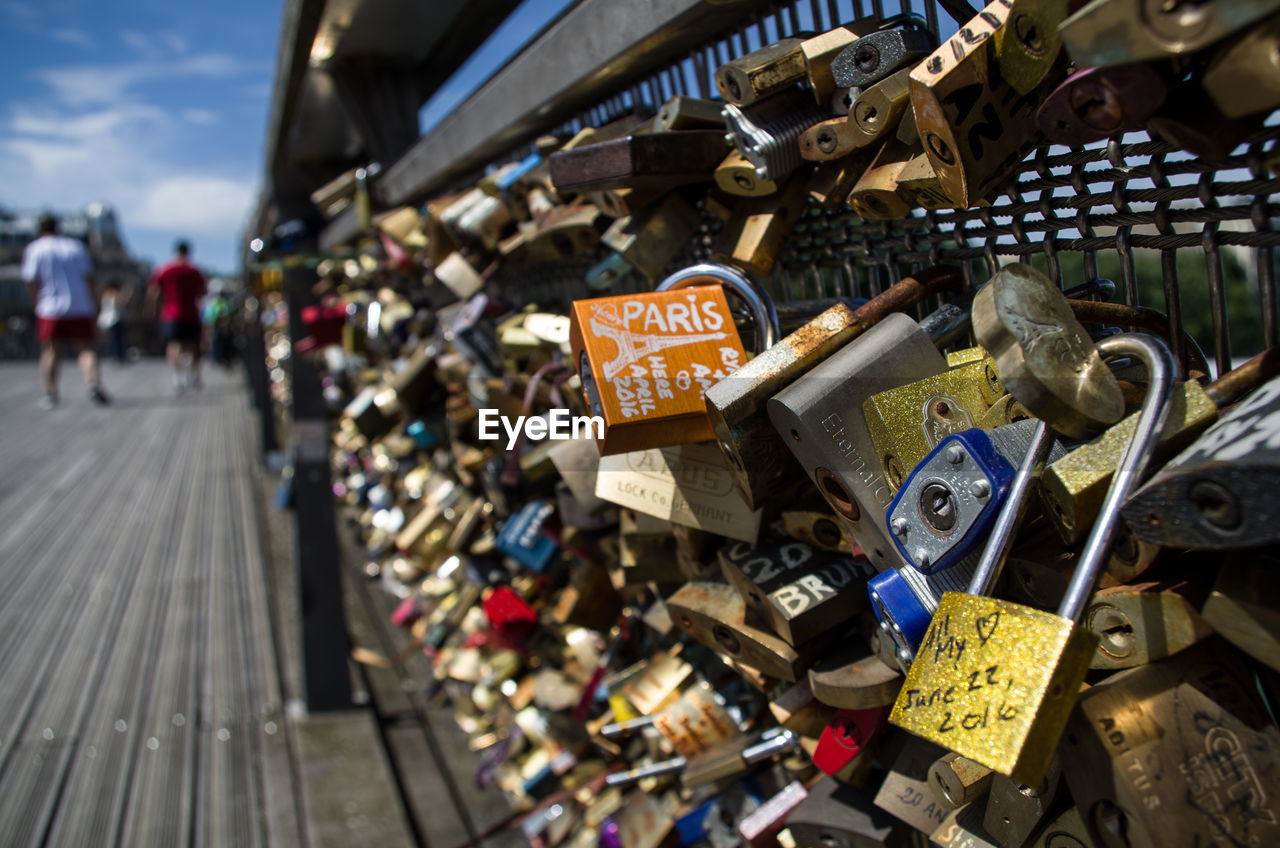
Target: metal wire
{"points": [[1111, 199]]}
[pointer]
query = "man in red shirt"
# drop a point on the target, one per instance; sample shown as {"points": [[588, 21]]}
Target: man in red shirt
{"points": [[181, 286]]}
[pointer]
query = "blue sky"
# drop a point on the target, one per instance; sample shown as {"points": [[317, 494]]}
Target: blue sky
{"points": [[157, 108], [160, 109]]}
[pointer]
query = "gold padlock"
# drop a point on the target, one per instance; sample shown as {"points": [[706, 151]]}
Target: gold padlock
{"points": [[1244, 77], [1028, 45], [975, 127], [819, 52], [754, 236], [996, 681], [1110, 32], [1140, 623], [875, 196], [762, 72], [736, 175], [918, 184]]}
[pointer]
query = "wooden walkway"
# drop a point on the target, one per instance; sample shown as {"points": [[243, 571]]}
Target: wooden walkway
{"points": [[141, 701]]}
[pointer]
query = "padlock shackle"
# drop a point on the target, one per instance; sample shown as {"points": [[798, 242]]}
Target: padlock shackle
{"points": [[993, 556], [763, 313], [1155, 354]]}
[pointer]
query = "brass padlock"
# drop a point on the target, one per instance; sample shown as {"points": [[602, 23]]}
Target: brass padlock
{"points": [[817, 529], [918, 184], [1216, 494], [1028, 44], [876, 113], [1139, 623], [819, 52], [958, 781], [853, 679], [652, 237], [995, 681], [736, 175], [716, 615], [875, 196], [1110, 32], [1043, 355], [759, 227], [762, 72], [905, 792], [1244, 607], [688, 113], [736, 406], [1179, 752], [975, 127], [1242, 78]]}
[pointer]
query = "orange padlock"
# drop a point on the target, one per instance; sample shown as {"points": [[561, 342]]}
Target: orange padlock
{"points": [[645, 360]]}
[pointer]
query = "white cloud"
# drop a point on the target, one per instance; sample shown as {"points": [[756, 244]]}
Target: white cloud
{"points": [[203, 117], [200, 205], [74, 37], [83, 85]]}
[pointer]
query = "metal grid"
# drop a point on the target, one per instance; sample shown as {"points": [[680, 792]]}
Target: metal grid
{"points": [[1104, 204]]}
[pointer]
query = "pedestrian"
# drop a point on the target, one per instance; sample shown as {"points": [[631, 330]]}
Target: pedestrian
{"points": [[111, 320], [181, 286], [217, 319], [59, 277]]}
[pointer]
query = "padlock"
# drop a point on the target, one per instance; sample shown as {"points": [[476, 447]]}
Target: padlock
{"points": [[767, 132], [1243, 608], [905, 792], [851, 678], [735, 406], [651, 238], [1179, 752], [1066, 830], [1110, 33], [950, 500], [820, 418], [621, 202], [829, 140], [688, 113], [1216, 494], [696, 722], [975, 127], [1016, 811], [761, 73], [736, 175], [409, 390], [759, 227], [798, 591], [833, 181], [1027, 46], [995, 681], [645, 160], [909, 421], [963, 828], [877, 55], [957, 781], [918, 182], [645, 360], [1043, 356], [716, 615], [817, 529], [837, 815], [1190, 120], [846, 738], [1242, 76], [875, 196], [877, 112], [1139, 623], [819, 53], [761, 828], [1099, 103]]}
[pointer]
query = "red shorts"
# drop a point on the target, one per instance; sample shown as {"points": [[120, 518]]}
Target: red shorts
{"points": [[82, 329]]}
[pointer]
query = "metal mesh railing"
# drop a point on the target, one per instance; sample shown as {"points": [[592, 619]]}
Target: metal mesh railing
{"points": [[1192, 238]]}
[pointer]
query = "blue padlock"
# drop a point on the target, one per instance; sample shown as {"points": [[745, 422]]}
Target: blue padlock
{"points": [[522, 539]]}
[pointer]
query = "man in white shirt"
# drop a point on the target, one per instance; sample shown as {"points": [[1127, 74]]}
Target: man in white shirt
{"points": [[59, 279]]}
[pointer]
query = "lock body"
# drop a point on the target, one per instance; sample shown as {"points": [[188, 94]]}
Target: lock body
{"points": [[877, 55], [645, 361], [762, 72], [975, 126], [1106, 33], [980, 665]]}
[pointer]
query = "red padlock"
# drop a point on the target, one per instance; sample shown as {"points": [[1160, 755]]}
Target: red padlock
{"points": [[846, 737]]}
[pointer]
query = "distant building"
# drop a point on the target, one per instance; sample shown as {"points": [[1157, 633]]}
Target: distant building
{"points": [[97, 227]]}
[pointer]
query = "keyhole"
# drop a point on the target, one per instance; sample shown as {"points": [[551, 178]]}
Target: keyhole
{"points": [[938, 507]]}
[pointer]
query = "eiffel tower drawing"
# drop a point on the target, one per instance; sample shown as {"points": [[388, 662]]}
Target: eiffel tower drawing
{"points": [[632, 346]]}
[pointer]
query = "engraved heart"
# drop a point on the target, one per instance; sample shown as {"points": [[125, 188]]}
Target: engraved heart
{"points": [[986, 626]]}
